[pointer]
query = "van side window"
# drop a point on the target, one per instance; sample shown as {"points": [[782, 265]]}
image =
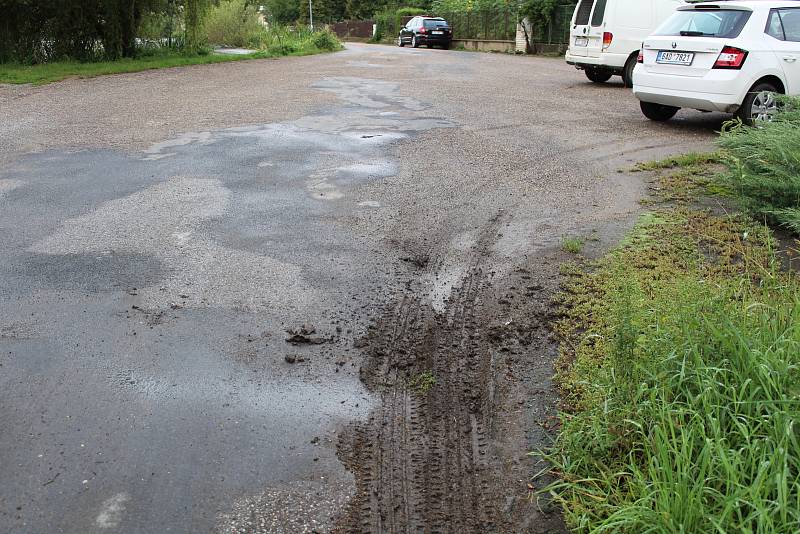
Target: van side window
{"points": [[599, 13], [583, 12], [790, 21]]}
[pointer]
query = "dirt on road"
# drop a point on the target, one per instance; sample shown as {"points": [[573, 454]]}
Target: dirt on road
{"points": [[446, 449]]}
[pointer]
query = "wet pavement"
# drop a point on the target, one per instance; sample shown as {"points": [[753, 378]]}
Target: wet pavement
{"points": [[147, 289]]}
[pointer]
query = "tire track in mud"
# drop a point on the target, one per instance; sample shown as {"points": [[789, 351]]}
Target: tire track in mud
{"points": [[423, 461]]}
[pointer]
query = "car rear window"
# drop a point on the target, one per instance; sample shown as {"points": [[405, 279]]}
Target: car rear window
{"points": [[599, 13], [434, 23], [725, 23], [583, 12]]}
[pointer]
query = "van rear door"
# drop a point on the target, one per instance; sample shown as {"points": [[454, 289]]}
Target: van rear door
{"points": [[579, 44], [596, 28]]}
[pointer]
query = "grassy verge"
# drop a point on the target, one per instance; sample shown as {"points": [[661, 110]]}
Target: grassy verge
{"points": [[55, 71], [680, 369]]}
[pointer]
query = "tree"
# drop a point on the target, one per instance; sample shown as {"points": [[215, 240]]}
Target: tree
{"points": [[364, 9], [193, 19], [325, 11], [283, 11]]}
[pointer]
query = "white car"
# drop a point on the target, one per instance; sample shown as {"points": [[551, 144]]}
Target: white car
{"points": [[729, 56]]}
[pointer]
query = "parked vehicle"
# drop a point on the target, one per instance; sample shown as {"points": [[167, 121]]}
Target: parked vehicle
{"points": [[729, 56], [606, 35], [428, 31]]}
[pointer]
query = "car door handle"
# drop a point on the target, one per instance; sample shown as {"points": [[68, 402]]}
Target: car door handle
{"points": [[789, 59]]}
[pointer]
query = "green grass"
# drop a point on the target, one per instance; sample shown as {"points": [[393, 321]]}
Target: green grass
{"points": [[422, 382], [52, 72], [680, 370], [573, 245], [680, 355], [684, 161]]}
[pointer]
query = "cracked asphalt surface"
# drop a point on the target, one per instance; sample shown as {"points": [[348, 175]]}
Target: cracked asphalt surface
{"points": [[161, 232]]}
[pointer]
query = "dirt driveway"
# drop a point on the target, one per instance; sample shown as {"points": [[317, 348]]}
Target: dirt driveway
{"points": [[299, 295]]}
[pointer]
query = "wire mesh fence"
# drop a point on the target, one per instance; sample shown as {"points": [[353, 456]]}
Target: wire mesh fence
{"points": [[497, 24], [557, 32]]}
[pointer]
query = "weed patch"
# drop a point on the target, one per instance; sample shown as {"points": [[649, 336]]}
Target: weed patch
{"points": [[680, 369], [422, 382], [573, 245]]}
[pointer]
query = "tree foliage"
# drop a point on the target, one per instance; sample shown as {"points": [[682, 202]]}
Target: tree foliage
{"points": [[283, 11], [540, 12], [35, 31]]}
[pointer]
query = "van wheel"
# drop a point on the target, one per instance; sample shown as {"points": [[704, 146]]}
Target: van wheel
{"points": [[658, 112], [627, 73], [597, 75], [760, 105]]}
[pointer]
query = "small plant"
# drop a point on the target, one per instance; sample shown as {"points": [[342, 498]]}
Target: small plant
{"points": [[422, 383], [573, 245]]}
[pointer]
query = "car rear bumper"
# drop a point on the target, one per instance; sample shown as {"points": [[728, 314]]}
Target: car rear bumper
{"points": [[613, 62], [434, 39], [691, 92]]}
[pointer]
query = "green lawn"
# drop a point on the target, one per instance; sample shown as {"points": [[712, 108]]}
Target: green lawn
{"points": [[56, 71]]}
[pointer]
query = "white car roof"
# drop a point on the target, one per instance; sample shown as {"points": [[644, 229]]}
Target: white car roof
{"points": [[748, 5]]}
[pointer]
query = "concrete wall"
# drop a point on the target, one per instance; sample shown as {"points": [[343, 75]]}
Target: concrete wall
{"points": [[485, 45]]}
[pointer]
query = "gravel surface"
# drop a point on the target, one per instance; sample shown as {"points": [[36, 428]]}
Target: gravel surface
{"points": [[165, 235]]}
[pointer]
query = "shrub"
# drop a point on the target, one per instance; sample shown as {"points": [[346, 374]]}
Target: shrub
{"points": [[764, 166], [389, 21], [326, 40], [233, 23]]}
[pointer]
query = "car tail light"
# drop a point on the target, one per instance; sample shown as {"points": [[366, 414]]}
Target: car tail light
{"points": [[731, 58], [607, 38], [640, 59], [423, 30]]}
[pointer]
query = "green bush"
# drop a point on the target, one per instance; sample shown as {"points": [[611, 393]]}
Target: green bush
{"points": [[764, 165], [389, 21], [326, 40], [233, 23]]}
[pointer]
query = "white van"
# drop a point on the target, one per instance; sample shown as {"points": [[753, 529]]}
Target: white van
{"points": [[607, 34]]}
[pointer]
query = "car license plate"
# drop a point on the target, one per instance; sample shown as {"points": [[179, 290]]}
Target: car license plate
{"points": [[675, 58], [581, 41], [437, 33]]}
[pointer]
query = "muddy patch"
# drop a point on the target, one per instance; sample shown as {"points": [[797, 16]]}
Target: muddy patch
{"points": [[463, 385]]}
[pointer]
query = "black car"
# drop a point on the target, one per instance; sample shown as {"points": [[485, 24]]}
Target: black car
{"points": [[428, 31]]}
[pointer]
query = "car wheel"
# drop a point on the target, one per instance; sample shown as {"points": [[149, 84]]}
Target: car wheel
{"points": [[658, 112], [400, 42], [414, 42], [446, 46], [760, 104], [627, 73], [597, 75]]}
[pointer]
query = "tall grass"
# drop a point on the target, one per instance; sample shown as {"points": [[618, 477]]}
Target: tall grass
{"points": [[236, 23], [684, 382], [764, 166], [233, 23]]}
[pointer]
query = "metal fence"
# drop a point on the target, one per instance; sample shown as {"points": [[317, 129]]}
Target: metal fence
{"points": [[495, 25], [557, 32]]}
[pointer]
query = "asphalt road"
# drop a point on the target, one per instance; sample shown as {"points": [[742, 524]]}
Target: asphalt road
{"points": [[163, 234]]}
